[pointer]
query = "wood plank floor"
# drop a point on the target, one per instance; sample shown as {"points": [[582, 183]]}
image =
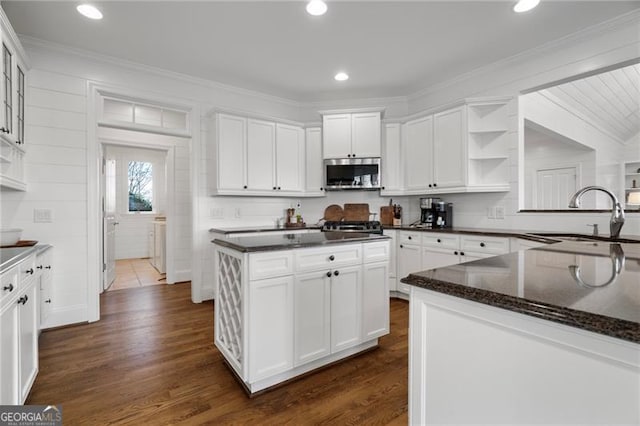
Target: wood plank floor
{"points": [[151, 360]]}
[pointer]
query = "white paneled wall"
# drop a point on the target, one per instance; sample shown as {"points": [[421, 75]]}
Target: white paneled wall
{"points": [[57, 180]]}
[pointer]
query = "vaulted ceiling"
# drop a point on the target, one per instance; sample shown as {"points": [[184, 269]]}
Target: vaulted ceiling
{"points": [[389, 48], [610, 100]]}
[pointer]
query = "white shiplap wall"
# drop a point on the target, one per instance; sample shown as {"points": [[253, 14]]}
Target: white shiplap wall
{"points": [[57, 180]]}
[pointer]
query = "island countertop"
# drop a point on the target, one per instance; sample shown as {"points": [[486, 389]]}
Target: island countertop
{"points": [[594, 286], [291, 241]]}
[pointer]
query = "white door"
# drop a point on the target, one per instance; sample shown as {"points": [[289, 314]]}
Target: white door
{"points": [[9, 370], [232, 148], [312, 319], [336, 136], [313, 170], [346, 307], [409, 260], [109, 224], [28, 340], [391, 160], [449, 149], [375, 300], [261, 140], [289, 157], [554, 187], [418, 152], [365, 138]]}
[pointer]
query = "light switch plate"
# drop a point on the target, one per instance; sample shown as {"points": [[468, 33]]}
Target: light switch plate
{"points": [[500, 212], [491, 212], [42, 216], [217, 212]]}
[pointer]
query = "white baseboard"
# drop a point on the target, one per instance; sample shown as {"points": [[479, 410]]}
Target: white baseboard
{"points": [[181, 276]]}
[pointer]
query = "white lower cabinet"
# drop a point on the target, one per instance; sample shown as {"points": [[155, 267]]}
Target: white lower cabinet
{"points": [[19, 321], [409, 260], [346, 307], [312, 319], [270, 327]]}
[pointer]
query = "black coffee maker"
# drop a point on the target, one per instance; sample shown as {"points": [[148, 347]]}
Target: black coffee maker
{"points": [[427, 212], [443, 215]]}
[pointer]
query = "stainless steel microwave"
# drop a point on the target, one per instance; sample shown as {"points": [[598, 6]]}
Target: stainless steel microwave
{"points": [[352, 173]]}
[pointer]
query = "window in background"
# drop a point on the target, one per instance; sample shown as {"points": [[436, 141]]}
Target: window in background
{"points": [[140, 186]]}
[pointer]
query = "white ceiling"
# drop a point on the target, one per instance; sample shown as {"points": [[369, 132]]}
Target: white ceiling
{"points": [[610, 100], [389, 48]]}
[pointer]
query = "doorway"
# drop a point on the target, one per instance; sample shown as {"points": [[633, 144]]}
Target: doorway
{"points": [[136, 169]]}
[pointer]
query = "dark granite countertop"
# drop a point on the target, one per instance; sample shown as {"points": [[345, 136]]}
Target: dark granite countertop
{"points": [[541, 236], [540, 282], [292, 241], [240, 230]]}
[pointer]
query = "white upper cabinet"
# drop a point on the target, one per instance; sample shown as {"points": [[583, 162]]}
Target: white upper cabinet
{"points": [[261, 142], [463, 149], [418, 153], [348, 135], [258, 157], [231, 152], [392, 176], [449, 140], [289, 158], [13, 73], [313, 161]]}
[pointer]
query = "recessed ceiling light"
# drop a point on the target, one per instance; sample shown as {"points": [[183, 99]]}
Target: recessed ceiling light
{"points": [[341, 76], [89, 11], [525, 5], [316, 7]]}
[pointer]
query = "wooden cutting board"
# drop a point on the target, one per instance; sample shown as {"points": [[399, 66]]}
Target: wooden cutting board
{"points": [[357, 212], [386, 215], [333, 213]]}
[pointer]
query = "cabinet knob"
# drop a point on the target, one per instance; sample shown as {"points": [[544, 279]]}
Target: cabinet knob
{"points": [[245, 187], [39, 267], [20, 300], [383, 187], [47, 267], [274, 187], [47, 301], [481, 244], [8, 287], [409, 237], [29, 271], [349, 155], [279, 188], [455, 252], [439, 240], [332, 258], [435, 184], [429, 185], [329, 274], [336, 273], [353, 155], [461, 253], [401, 246], [321, 189], [18, 142]]}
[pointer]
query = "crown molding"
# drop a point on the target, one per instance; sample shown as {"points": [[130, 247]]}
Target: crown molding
{"points": [[605, 27], [7, 31], [56, 47]]}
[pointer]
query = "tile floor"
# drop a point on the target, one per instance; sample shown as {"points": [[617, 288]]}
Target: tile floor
{"points": [[131, 273]]}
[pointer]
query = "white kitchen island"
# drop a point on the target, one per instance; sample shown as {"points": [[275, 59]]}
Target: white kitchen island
{"points": [[289, 304]]}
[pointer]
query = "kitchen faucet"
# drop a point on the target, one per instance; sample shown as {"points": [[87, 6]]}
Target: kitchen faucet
{"points": [[617, 212]]}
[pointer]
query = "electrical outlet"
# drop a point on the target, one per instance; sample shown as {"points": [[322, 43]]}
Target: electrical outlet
{"points": [[42, 216], [237, 212], [500, 212], [491, 213], [217, 212]]}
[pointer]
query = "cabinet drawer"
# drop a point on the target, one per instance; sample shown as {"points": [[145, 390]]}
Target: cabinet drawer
{"points": [[272, 264], [480, 244], [409, 237], [27, 270], [446, 241], [8, 285], [330, 257], [374, 252]]}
